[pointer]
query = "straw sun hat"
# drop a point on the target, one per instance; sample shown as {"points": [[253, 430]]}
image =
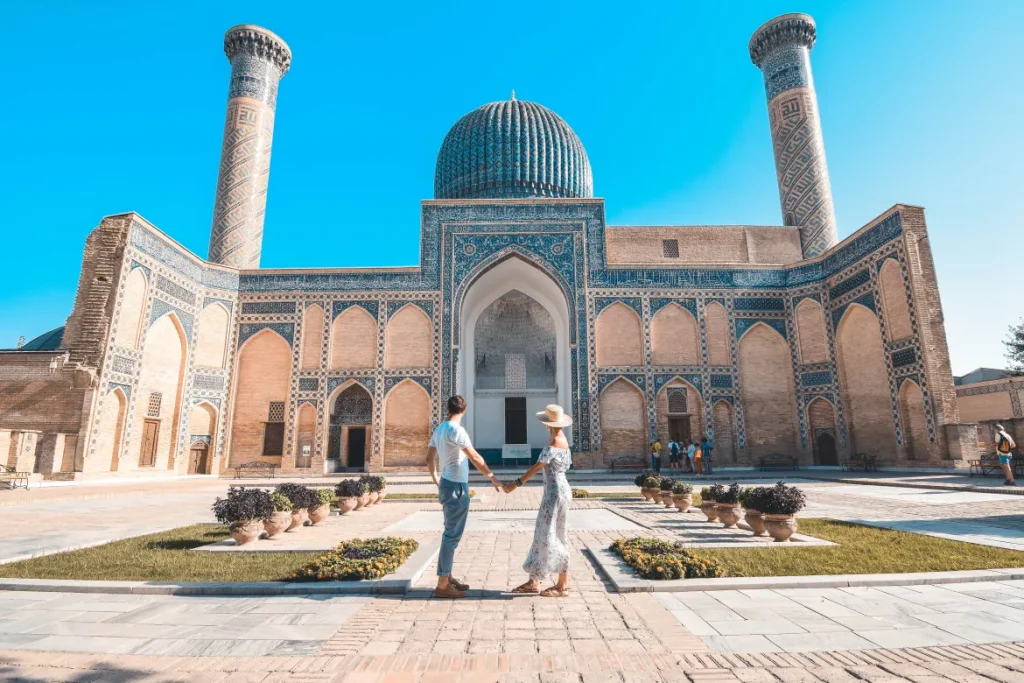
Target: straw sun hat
{"points": [[554, 416]]}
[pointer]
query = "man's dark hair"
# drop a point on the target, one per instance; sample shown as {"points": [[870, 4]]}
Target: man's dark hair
{"points": [[456, 405]]}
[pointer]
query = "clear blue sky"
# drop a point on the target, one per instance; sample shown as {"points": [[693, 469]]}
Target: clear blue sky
{"points": [[119, 106]]}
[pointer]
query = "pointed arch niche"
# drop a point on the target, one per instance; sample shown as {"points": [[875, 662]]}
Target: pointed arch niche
{"points": [[211, 349], [864, 383], [264, 372], [674, 337], [133, 305], [353, 340], [810, 332], [618, 336], [410, 339], [685, 425], [717, 320], [769, 397], [202, 438], [724, 443], [406, 425], [623, 422], [109, 433], [313, 337], [912, 416], [154, 431], [349, 410]]}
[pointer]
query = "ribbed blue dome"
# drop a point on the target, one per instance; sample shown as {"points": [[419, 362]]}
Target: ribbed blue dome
{"points": [[505, 150]]}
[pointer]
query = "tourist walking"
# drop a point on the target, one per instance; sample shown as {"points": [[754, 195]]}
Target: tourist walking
{"points": [[656, 456], [705, 448], [1004, 448], [673, 455], [549, 553], [691, 452], [698, 459], [450, 443]]}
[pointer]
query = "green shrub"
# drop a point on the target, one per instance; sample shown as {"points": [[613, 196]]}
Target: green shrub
{"points": [[681, 488], [243, 504], [580, 493], [350, 488], [667, 484], [780, 500], [660, 560], [728, 496], [642, 477], [374, 483], [300, 496], [281, 502], [652, 483], [357, 560], [326, 496], [707, 494]]}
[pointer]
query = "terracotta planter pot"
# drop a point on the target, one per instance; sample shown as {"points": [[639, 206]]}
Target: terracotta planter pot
{"points": [[780, 527], [247, 531], [319, 514], [728, 514], [710, 510], [682, 501], [756, 521], [372, 496], [347, 505], [277, 523], [299, 517], [364, 500], [646, 493], [381, 496], [667, 498], [656, 496]]}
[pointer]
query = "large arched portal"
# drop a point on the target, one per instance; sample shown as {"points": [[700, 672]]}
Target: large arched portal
{"points": [[514, 355]]}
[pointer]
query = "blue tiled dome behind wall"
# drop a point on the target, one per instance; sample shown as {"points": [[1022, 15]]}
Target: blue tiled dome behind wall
{"points": [[512, 149]]}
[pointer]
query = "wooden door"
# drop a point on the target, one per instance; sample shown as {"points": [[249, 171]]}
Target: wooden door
{"points": [[198, 461], [357, 447], [150, 435]]}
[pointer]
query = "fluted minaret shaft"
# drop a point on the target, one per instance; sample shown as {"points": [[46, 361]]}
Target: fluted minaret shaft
{"points": [[258, 61], [781, 48]]}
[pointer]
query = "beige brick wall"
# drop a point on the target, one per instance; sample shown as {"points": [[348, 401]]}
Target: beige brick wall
{"points": [[894, 298], [113, 410], [353, 340], [313, 337], [769, 399], [623, 422], [211, 349], [305, 430], [994, 406], [32, 396], [410, 339], [674, 337], [264, 368], [618, 336], [810, 327], [163, 370], [725, 430], [130, 321], [693, 404], [821, 414], [865, 384], [406, 425], [202, 421], [703, 244], [717, 321], [915, 430]]}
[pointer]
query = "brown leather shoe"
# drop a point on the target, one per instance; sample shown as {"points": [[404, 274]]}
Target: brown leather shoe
{"points": [[450, 592], [452, 581]]}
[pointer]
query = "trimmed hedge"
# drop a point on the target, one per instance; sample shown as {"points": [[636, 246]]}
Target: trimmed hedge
{"points": [[660, 560], [357, 560]]}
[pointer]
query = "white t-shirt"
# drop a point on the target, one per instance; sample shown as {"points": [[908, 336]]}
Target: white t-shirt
{"points": [[449, 440]]}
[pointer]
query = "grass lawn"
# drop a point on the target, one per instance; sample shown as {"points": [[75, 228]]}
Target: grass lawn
{"points": [[165, 556], [862, 550], [420, 496]]}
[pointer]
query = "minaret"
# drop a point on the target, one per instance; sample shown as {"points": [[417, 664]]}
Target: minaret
{"points": [[781, 48], [258, 61]]}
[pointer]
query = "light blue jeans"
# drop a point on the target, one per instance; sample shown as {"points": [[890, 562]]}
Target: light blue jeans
{"points": [[454, 499]]}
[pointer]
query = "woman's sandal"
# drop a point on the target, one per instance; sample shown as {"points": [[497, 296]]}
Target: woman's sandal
{"points": [[554, 592], [527, 588]]}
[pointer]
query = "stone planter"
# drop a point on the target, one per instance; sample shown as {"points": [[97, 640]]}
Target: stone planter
{"points": [[780, 527], [728, 514], [347, 505], [277, 523], [246, 531], [682, 501], [709, 509], [374, 497], [319, 514], [668, 498], [381, 495], [646, 493], [299, 518], [656, 496], [756, 521], [364, 500]]}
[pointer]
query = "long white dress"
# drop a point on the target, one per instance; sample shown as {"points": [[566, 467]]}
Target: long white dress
{"points": [[549, 553]]}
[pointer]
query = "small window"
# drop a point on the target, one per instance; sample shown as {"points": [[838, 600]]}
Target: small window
{"points": [[670, 248], [155, 399], [276, 413], [677, 400]]}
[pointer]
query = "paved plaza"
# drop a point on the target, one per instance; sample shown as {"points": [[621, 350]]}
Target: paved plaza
{"points": [[922, 633]]}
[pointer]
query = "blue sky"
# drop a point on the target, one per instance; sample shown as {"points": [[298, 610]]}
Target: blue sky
{"points": [[119, 106]]}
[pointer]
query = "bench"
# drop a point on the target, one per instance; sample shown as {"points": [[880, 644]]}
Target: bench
{"points": [[777, 461], [860, 461], [987, 464], [255, 468], [629, 462], [12, 478]]}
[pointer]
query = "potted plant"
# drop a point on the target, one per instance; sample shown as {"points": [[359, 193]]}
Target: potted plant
{"points": [[752, 515], [381, 484], [780, 503], [281, 518], [323, 510], [653, 486], [682, 496], [244, 511], [348, 492], [641, 481], [303, 500], [707, 501], [371, 495], [374, 488], [666, 492], [728, 504]]}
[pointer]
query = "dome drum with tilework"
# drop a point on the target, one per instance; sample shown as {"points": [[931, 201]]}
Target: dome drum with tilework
{"points": [[512, 149]]}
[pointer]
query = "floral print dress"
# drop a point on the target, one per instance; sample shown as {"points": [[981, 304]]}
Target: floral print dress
{"points": [[549, 553]]}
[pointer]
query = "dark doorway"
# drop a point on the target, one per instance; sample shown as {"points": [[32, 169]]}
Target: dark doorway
{"points": [[826, 446], [356, 447], [198, 461], [679, 430], [515, 419]]}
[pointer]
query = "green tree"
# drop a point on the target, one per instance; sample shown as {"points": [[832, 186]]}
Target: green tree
{"points": [[1015, 348]]}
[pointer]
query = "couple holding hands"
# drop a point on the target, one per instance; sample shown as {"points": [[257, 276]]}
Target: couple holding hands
{"points": [[451, 452]]}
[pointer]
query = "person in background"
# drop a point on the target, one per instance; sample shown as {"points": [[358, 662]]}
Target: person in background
{"points": [[705, 447], [656, 456], [1004, 448], [673, 455], [691, 451], [698, 459]]}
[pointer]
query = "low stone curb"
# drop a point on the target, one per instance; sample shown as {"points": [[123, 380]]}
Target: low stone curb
{"points": [[397, 583], [625, 580]]}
